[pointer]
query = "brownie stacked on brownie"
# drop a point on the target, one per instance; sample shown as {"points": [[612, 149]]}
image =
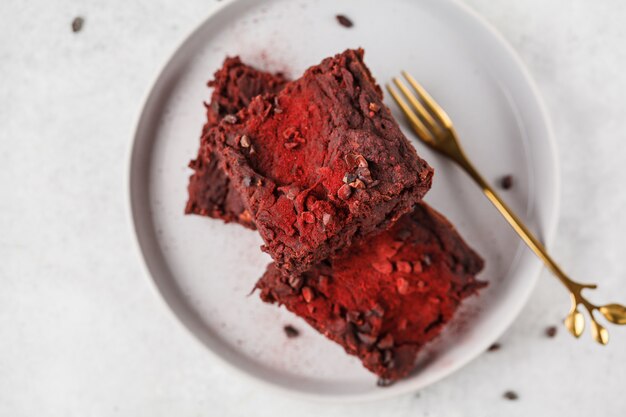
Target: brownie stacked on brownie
{"points": [[316, 164], [321, 163], [389, 295]]}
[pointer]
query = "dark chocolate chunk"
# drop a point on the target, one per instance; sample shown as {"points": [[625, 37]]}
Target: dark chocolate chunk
{"points": [[494, 347], [506, 182], [77, 24], [551, 331], [510, 395], [291, 331], [344, 21]]}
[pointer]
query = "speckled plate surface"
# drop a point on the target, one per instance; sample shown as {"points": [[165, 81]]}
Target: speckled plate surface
{"points": [[204, 270]]}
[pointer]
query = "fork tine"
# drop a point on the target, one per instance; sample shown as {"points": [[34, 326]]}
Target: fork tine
{"points": [[417, 105], [416, 123], [428, 100]]}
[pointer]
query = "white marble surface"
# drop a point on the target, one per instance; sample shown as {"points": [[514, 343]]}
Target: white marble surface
{"points": [[82, 335]]}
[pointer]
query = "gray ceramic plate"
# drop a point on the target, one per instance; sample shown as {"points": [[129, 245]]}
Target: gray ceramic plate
{"points": [[204, 269]]}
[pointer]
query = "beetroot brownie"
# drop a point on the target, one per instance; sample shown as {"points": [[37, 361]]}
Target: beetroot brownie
{"points": [[210, 191], [321, 163], [389, 296]]}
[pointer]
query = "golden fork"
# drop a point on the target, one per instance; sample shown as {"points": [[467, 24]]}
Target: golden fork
{"points": [[433, 126]]}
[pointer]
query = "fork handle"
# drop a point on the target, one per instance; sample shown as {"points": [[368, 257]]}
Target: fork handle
{"points": [[533, 243]]}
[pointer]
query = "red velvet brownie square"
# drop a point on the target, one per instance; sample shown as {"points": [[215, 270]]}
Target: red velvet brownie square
{"points": [[210, 190], [387, 297], [321, 163]]}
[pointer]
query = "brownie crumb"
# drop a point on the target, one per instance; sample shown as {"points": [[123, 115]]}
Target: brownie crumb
{"points": [[511, 395], [344, 21], [494, 347], [77, 24], [551, 331], [291, 331], [506, 182]]}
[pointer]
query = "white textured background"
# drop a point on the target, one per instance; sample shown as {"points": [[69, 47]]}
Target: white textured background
{"points": [[81, 334]]}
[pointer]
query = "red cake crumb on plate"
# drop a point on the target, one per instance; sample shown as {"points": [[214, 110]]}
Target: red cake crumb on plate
{"points": [[386, 298], [321, 163]]}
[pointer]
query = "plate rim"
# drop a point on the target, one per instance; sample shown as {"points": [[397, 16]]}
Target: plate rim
{"points": [[548, 229]]}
